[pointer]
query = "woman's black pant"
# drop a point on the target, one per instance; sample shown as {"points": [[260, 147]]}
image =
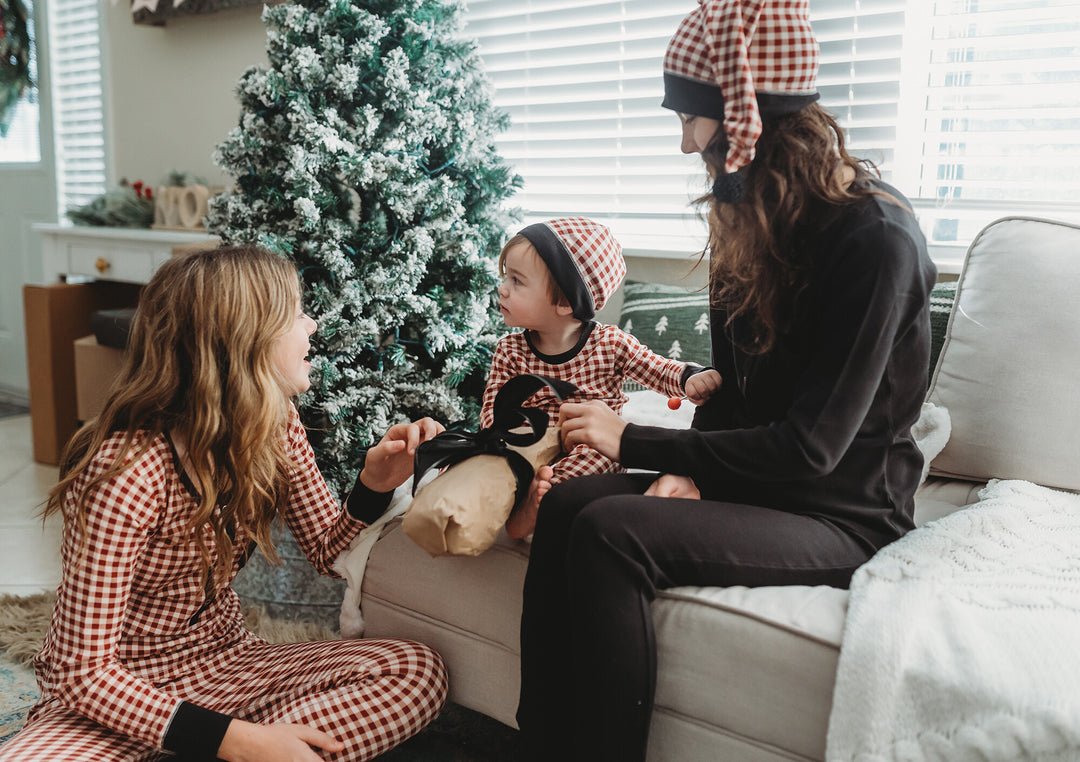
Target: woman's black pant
{"points": [[600, 552]]}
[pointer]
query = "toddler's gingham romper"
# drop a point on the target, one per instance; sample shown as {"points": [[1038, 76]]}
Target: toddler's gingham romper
{"points": [[604, 357], [139, 658]]}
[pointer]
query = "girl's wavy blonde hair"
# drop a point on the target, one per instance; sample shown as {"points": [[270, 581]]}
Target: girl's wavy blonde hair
{"points": [[793, 189], [200, 364]]}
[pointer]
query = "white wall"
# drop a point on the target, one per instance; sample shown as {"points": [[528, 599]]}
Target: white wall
{"points": [[171, 91]]}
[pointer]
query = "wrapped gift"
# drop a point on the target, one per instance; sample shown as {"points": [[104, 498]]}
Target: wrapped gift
{"points": [[487, 473]]}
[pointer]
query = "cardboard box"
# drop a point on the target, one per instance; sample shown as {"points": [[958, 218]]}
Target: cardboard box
{"points": [[55, 316], [96, 367]]}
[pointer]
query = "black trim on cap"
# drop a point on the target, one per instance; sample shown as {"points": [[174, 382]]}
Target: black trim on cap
{"points": [[689, 96], [562, 267], [772, 105]]}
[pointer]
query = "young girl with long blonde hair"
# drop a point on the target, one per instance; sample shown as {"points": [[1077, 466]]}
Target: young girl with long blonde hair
{"points": [[197, 450]]}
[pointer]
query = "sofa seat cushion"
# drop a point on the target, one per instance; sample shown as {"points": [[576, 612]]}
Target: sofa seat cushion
{"points": [[468, 608], [756, 665], [481, 594], [751, 668]]}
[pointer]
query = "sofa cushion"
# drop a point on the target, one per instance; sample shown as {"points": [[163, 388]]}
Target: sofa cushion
{"points": [[672, 321], [783, 642], [1011, 357], [754, 665]]}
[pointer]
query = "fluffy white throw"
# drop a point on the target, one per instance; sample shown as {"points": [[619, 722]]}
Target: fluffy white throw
{"points": [[931, 433], [962, 639], [352, 563]]}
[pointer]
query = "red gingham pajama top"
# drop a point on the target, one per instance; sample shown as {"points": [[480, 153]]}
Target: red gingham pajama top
{"points": [[136, 647], [604, 357]]}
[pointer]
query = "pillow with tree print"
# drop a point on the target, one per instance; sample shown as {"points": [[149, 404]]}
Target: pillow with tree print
{"points": [[670, 320]]}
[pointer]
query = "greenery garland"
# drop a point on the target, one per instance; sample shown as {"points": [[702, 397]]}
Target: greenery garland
{"points": [[15, 45]]}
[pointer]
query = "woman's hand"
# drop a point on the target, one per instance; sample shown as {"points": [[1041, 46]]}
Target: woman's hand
{"points": [[248, 742], [701, 386], [670, 485], [591, 423], [390, 462]]}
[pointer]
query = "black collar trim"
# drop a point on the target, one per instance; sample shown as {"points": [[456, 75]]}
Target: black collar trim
{"points": [[568, 355]]}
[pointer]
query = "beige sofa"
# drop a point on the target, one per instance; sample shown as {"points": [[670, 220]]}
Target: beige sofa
{"points": [[747, 674]]}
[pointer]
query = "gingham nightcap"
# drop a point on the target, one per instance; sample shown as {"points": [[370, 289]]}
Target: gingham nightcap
{"points": [[584, 259], [740, 60]]}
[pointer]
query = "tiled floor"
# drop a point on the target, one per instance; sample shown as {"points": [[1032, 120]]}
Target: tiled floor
{"points": [[29, 552]]}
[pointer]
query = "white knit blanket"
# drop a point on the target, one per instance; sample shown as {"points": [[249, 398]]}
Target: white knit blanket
{"points": [[962, 639]]}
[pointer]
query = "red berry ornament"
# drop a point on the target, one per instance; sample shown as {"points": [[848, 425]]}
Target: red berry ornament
{"points": [[674, 403]]}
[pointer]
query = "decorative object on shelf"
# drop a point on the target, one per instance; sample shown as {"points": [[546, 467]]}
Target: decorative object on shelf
{"points": [[129, 206], [158, 12], [366, 153], [181, 203], [15, 49]]}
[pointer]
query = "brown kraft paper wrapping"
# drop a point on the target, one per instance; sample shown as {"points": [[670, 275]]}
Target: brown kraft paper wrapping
{"points": [[461, 511]]}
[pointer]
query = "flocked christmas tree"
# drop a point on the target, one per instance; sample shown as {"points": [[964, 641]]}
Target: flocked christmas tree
{"points": [[365, 152]]}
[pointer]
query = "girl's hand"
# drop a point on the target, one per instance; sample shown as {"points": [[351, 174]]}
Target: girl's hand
{"points": [[670, 485], [701, 386], [390, 462], [591, 423], [248, 742]]}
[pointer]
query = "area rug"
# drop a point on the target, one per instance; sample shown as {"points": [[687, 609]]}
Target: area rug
{"points": [[457, 735]]}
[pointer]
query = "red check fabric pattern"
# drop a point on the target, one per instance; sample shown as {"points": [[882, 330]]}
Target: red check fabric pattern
{"points": [[370, 694], [125, 646], [744, 47], [608, 358], [596, 254]]}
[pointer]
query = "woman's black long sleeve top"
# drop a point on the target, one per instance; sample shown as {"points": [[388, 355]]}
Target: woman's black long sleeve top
{"points": [[821, 424]]}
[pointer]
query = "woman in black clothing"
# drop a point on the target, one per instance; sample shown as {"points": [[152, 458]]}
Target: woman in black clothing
{"points": [[803, 465]]}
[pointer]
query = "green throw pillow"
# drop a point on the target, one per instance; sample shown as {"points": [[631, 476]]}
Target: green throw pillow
{"points": [[941, 302], [675, 323], [669, 320]]}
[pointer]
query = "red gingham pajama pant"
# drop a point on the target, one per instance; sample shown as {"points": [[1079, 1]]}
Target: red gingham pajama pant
{"points": [[369, 694]]}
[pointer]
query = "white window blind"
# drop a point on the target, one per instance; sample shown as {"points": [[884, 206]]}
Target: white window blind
{"points": [[581, 82], [22, 143], [78, 125], [1001, 125], [859, 72], [970, 107]]}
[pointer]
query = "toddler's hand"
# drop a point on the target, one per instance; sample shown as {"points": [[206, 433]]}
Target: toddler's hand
{"points": [[701, 386]]}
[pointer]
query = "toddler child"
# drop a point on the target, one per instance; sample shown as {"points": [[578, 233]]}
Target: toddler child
{"points": [[556, 275]]}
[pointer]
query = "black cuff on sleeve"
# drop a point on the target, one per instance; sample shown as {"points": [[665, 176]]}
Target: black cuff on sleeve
{"points": [[196, 733], [692, 369], [365, 504]]}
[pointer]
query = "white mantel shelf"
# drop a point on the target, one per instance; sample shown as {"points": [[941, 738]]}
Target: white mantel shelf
{"points": [[122, 254]]}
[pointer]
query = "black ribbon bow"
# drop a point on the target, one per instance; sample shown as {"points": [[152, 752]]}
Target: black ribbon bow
{"points": [[452, 447]]}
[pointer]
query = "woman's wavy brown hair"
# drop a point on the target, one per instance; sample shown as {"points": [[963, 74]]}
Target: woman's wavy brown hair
{"points": [[793, 188], [199, 364]]}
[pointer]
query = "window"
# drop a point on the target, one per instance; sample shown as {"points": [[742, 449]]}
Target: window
{"points": [[581, 82], [971, 107], [78, 124], [21, 144], [999, 83]]}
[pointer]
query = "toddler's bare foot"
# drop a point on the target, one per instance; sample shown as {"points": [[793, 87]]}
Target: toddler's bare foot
{"points": [[522, 520]]}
